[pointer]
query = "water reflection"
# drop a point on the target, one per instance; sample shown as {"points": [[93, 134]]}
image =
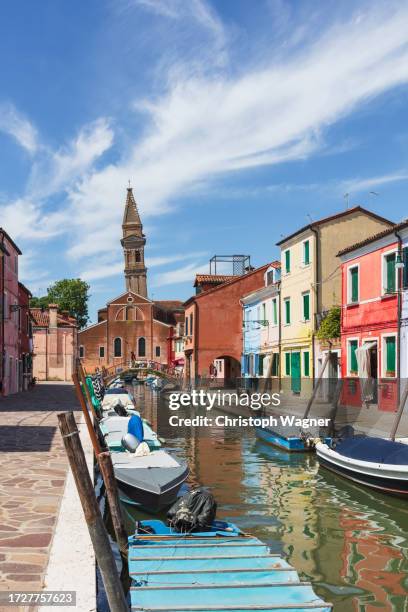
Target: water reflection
{"points": [[350, 542]]}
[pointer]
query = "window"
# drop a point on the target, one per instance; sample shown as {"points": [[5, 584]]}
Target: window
{"points": [[141, 347], [264, 312], [81, 352], [157, 351], [306, 252], [306, 306], [352, 358], [390, 356], [191, 324], [275, 364], [138, 257], [353, 292], [117, 347], [5, 305], [287, 364], [275, 311], [389, 275], [287, 311], [261, 365], [306, 364], [270, 277], [101, 352], [287, 261], [186, 326]]}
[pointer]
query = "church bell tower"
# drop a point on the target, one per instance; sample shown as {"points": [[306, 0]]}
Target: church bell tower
{"points": [[133, 242]]}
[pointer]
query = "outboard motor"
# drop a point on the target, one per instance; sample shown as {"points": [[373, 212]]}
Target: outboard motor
{"points": [[195, 511], [130, 442]]}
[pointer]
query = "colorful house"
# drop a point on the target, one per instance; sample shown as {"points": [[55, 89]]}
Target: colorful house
{"points": [[311, 285], [260, 320], [25, 338], [10, 367], [213, 328]]}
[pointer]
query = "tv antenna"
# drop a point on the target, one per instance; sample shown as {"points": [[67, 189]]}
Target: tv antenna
{"points": [[347, 198]]}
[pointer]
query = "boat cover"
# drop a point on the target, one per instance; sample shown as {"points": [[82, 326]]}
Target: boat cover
{"points": [[376, 450], [116, 391], [153, 473]]}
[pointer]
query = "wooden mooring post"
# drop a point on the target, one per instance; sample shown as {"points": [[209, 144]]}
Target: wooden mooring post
{"points": [[106, 466], [97, 531]]}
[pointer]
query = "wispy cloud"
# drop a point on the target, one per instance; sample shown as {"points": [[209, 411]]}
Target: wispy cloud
{"points": [[365, 184], [179, 275], [15, 124]]}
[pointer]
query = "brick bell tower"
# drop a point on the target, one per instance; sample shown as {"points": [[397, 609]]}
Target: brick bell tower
{"points": [[133, 242]]}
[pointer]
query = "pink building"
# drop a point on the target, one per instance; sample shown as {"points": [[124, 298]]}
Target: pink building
{"points": [[9, 333], [55, 342]]}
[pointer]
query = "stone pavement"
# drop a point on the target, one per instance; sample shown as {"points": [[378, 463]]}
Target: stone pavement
{"points": [[33, 468]]}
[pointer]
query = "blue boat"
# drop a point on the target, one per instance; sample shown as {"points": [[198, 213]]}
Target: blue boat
{"points": [[215, 570], [292, 442]]}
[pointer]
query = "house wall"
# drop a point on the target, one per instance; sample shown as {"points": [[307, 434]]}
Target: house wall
{"points": [[404, 319], [54, 353], [11, 335], [217, 324]]}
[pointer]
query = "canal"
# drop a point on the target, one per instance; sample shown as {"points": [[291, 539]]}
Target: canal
{"points": [[351, 543]]}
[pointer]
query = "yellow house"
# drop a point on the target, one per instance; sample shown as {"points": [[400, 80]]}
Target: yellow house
{"points": [[311, 285]]}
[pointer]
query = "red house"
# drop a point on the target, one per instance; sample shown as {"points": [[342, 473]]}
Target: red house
{"points": [[369, 321], [25, 337]]}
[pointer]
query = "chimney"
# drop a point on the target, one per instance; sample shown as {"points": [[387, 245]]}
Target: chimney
{"points": [[53, 311], [65, 314]]}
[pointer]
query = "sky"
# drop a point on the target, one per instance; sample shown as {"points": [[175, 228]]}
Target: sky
{"points": [[235, 122]]}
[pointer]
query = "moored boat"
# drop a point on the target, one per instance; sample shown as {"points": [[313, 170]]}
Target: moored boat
{"points": [[221, 568], [373, 462]]}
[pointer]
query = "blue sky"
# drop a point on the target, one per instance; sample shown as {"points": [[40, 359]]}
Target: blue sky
{"points": [[236, 122]]}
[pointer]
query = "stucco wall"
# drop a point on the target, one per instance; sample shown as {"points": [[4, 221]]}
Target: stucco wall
{"points": [[54, 353]]}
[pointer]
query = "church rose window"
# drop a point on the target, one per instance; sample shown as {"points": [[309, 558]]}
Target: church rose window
{"points": [[142, 347], [117, 347]]}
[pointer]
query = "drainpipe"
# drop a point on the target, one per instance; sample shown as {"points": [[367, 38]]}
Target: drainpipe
{"points": [[316, 233], [279, 337], [399, 289]]}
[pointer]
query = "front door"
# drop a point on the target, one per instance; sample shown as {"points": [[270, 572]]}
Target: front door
{"points": [[295, 372]]}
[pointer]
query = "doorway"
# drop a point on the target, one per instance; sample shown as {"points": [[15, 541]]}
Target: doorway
{"points": [[295, 382]]}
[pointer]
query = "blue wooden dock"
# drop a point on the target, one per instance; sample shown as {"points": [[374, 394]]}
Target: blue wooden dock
{"points": [[217, 570]]}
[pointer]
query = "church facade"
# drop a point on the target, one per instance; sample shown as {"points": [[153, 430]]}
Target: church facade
{"points": [[131, 326]]}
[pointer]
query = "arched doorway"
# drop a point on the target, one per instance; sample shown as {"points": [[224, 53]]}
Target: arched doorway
{"points": [[226, 370]]}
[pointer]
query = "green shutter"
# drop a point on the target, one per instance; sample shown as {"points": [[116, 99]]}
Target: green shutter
{"points": [[306, 252], [275, 364], [405, 273], [352, 356], [306, 364], [287, 312], [354, 284], [287, 364], [287, 261], [275, 311], [306, 306], [390, 273], [261, 365], [390, 356]]}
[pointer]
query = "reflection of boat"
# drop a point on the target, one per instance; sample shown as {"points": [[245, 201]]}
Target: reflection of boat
{"points": [[151, 481], [292, 441], [279, 457], [218, 569], [373, 462]]}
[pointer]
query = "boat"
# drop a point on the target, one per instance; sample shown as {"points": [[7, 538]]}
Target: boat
{"points": [[114, 427], [377, 463], [290, 439], [218, 569], [150, 481]]}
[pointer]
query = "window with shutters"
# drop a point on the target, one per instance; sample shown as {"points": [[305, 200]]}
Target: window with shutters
{"points": [[261, 365], [389, 356], [286, 257], [353, 285], [352, 357], [306, 252], [287, 364], [287, 311], [389, 273], [306, 306], [275, 364], [306, 363], [275, 311]]}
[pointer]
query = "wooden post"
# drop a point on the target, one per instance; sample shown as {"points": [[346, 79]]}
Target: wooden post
{"points": [[315, 390], [82, 378], [105, 463], [96, 527], [92, 434], [400, 412]]}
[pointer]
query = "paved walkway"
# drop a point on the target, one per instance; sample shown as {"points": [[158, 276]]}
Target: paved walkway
{"points": [[33, 469]]}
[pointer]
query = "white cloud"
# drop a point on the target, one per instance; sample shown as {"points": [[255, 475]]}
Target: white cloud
{"points": [[179, 275], [365, 184], [204, 126], [25, 219], [19, 127]]}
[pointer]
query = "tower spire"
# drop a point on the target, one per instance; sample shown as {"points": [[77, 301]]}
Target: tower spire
{"points": [[133, 242]]}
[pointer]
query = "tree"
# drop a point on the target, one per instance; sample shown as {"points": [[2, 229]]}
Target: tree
{"points": [[330, 326], [70, 294]]}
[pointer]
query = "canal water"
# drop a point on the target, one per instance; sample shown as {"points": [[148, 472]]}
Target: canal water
{"points": [[351, 543]]}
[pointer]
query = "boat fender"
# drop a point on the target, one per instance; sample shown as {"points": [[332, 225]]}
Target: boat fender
{"points": [[130, 442], [135, 427], [142, 450]]}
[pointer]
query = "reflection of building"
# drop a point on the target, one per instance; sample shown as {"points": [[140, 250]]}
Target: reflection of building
{"points": [[213, 326], [310, 284], [131, 326], [371, 283], [54, 343], [260, 356]]}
